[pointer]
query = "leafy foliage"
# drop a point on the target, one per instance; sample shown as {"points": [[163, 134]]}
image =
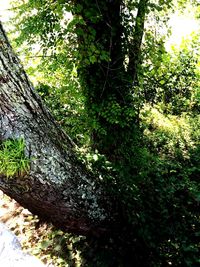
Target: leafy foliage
{"points": [[132, 107], [171, 79]]}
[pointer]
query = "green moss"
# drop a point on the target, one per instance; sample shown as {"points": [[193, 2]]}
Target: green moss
{"points": [[12, 158]]}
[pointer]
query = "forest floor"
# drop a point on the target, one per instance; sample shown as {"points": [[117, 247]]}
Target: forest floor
{"points": [[52, 246], [56, 248]]}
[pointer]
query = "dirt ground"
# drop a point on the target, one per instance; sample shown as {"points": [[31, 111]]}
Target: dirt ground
{"points": [[50, 245]]}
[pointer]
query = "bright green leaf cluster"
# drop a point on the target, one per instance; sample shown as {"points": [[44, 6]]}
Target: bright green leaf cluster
{"points": [[12, 158]]}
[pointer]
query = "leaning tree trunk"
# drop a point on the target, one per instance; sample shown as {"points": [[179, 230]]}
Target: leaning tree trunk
{"points": [[56, 187]]}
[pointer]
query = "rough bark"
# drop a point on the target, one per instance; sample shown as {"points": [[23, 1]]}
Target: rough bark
{"points": [[57, 186]]}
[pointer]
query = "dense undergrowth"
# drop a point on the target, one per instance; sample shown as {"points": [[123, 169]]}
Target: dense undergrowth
{"points": [[161, 203]]}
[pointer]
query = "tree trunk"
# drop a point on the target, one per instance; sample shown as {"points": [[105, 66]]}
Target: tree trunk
{"points": [[105, 81], [135, 45], [57, 187]]}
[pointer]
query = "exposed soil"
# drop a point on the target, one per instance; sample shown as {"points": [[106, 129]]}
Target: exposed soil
{"points": [[50, 245]]}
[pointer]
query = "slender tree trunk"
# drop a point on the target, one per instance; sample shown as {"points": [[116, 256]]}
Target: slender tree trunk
{"points": [[135, 45], [57, 187], [108, 82], [104, 81]]}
